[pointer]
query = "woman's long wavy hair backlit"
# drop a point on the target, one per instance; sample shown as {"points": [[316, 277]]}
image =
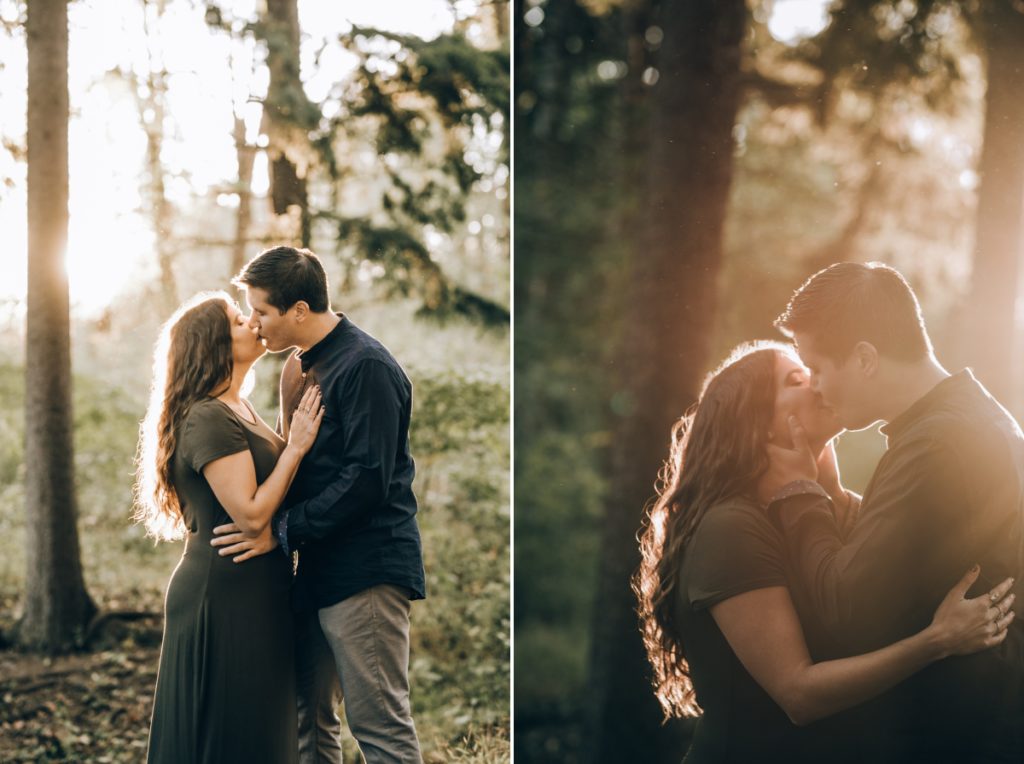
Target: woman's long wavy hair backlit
{"points": [[192, 360], [718, 451]]}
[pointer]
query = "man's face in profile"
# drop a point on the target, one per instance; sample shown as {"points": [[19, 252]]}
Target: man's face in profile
{"points": [[274, 327], [840, 384]]}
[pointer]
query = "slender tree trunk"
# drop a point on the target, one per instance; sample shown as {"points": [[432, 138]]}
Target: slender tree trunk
{"points": [[57, 606], [1000, 218], [246, 159], [160, 208], [285, 97], [664, 344], [151, 114]]}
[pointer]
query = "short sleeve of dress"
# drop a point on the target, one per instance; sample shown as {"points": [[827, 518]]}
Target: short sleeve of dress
{"points": [[735, 549], [210, 432]]}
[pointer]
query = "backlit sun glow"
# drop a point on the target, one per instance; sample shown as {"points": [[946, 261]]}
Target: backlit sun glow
{"points": [[793, 20], [111, 237]]}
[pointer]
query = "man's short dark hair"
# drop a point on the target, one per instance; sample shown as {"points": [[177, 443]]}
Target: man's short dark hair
{"points": [[287, 275], [847, 303]]}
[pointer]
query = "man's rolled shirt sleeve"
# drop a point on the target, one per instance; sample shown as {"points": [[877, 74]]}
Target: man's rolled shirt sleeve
{"points": [[368, 408]]}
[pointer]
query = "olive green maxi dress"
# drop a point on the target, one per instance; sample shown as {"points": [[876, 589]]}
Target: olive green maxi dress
{"points": [[225, 690]]}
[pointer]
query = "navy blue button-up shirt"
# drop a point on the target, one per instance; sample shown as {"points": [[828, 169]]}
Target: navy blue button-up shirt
{"points": [[351, 511]]}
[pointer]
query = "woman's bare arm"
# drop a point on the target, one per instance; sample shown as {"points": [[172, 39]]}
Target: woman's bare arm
{"points": [[233, 478], [763, 630]]}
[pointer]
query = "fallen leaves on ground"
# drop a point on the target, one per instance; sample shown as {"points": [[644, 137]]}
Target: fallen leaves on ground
{"points": [[91, 706]]}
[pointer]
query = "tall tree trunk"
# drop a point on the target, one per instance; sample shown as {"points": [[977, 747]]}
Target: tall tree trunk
{"points": [[160, 208], [285, 100], [57, 606], [152, 113], [664, 343], [1000, 219], [246, 154]]}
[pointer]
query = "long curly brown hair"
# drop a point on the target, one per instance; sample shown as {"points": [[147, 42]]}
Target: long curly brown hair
{"points": [[718, 451], [192, 360]]}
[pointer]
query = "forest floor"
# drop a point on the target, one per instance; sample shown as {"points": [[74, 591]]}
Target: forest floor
{"points": [[94, 706], [85, 706]]}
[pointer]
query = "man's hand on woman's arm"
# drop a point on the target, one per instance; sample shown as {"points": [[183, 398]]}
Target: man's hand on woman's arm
{"points": [[763, 630]]}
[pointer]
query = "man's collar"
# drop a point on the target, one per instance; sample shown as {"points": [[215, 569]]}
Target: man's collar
{"points": [[949, 386], [309, 357]]}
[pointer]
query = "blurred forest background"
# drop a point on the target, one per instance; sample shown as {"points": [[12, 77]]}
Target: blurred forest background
{"points": [[184, 137], [681, 166]]}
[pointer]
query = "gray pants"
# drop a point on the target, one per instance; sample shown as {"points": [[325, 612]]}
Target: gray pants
{"points": [[356, 650]]}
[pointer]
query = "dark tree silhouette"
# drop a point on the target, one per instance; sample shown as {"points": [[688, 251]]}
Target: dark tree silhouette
{"points": [[999, 226], [667, 322]]}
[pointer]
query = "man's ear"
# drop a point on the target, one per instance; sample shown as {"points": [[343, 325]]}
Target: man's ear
{"points": [[302, 311], [865, 355]]}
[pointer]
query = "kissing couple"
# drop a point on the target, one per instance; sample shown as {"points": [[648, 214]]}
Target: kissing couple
{"points": [[255, 661], [805, 623]]}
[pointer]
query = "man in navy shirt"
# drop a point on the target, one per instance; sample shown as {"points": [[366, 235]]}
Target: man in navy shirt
{"points": [[350, 514]]}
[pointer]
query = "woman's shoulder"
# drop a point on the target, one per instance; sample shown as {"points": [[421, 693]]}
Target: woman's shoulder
{"points": [[734, 549], [733, 514], [734, 527], [210, 430], [208, 407], [205, 415]]}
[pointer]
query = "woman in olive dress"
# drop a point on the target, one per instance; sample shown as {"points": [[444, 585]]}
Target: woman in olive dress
{"points": [[719, 621], [225, 689]]}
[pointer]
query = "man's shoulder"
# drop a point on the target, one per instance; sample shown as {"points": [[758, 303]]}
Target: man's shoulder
{"points": [[954, 443], [363, 348], [957, 425], [365, 345]]}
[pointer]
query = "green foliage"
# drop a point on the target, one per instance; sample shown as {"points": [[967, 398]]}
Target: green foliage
{"points": [[12, 427], [463, 81], [459, 412], [461, 660], [411, 269], [570, 272], [559, 497], [429, 106]]}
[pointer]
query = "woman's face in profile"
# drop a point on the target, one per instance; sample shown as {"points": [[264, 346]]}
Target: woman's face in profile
{"points": [[245, 341], [794, 396]]}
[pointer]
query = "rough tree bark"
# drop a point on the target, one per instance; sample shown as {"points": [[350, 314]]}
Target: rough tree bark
{"points": [[665, 341], [284, 97], [1000, 217], [57, 607]]}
